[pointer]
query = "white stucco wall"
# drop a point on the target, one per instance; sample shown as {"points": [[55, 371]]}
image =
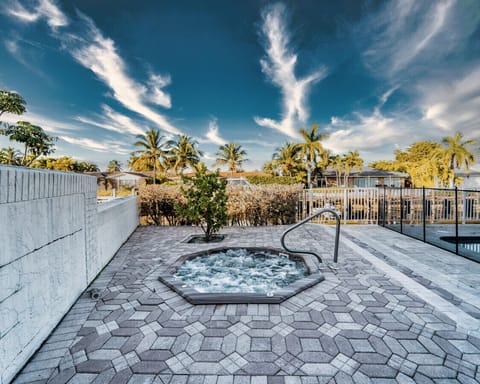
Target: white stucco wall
{"points": [[116, 220], [50, 251]]}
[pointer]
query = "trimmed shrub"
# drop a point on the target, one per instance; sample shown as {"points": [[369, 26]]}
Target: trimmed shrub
{"points": [[281, 180], [246, 206], [157, 204], [263, 204]]}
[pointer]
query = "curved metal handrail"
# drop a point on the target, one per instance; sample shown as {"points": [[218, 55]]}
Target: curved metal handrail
{"points": [[337, 234]]}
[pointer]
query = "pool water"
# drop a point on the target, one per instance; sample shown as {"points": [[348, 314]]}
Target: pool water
{"points": [[240, 271], [471, 243]]}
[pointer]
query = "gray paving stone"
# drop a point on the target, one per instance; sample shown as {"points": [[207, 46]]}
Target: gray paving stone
{"points": [[437, 372], [357, 326], [261, 344], [141, 379], [62, 377], [310, 344], [261, 369], [93, 366], [83, 378], [378, 371], [149, 367]]}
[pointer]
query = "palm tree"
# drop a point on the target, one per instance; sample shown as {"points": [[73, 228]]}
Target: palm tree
{"points": [[183, 153], [287, 158], [337, 163], [114, 166], [11, 102], [10, 156], [456, 155], [351, 160], [86, 166], [231, 154], [311, 149], [152, 150]]}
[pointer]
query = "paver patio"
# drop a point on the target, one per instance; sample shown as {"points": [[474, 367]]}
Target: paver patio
{"points": [[391, 313]]}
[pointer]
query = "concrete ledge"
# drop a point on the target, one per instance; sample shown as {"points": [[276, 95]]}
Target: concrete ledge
{"points": [[116, 221]]}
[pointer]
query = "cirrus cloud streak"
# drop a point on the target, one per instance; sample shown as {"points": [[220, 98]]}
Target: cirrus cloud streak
{"points": [[279, 67]]}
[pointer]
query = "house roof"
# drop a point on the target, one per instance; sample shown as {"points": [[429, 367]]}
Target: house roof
{"points": [[468, 174], [367, 172]]}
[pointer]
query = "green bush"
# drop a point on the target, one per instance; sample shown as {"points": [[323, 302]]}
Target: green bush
{"points": [[205, 202], [281, 180]]}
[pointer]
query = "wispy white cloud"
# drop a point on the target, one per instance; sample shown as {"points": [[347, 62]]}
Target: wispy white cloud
{"points": [[365, 132], [212, 135], [413, 46], [21, 50], [454, 103], [409, 37], [89, 47], [156, 94], [259, 143], [43, 9], [113, 121], [99, 54], [208, 156], [375, 134], [279, 67], [68, 132], [103, 146], [52, 126]]}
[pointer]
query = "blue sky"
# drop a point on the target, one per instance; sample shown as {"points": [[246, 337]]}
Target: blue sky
{"points": [[376, 75]]}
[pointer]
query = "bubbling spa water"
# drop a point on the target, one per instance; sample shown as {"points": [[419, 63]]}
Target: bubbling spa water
{"points": [[240, 271]]}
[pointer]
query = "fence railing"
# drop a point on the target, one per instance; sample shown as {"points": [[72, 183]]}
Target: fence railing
{"points": [[354, 205], [447, 218]]}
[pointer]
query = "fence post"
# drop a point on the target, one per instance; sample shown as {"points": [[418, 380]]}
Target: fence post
{"points": [[456, 220], [401, 211], [345, 208], [464, 207], [424, 207], [384, 205]]}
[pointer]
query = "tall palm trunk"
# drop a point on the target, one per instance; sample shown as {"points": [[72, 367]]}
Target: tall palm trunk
{"points": [[154, 170]]}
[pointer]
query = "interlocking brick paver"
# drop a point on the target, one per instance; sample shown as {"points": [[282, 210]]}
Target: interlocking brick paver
{"points": [[357, 326]]}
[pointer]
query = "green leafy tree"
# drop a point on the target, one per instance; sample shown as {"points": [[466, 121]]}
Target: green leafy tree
{"points": [[114, 166], [311, 149], [86, 166], [351, 161], [455, 154], [271, 168], [11, 102], [152, 150], [10, 156], [35, 141], [420, 160], [64, 163], [183, 153], [287, 159], [205, 202], [231, 154], [139, 163]]}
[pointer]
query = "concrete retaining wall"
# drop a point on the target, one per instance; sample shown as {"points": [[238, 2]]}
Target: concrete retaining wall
{"points": [[116, 220], [50, 251]]}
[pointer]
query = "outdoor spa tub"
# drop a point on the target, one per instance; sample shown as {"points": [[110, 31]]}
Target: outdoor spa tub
{"points": [[237, 275]]}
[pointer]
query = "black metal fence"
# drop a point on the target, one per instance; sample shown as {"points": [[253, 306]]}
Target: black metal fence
{"points": [[447, 218]]}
